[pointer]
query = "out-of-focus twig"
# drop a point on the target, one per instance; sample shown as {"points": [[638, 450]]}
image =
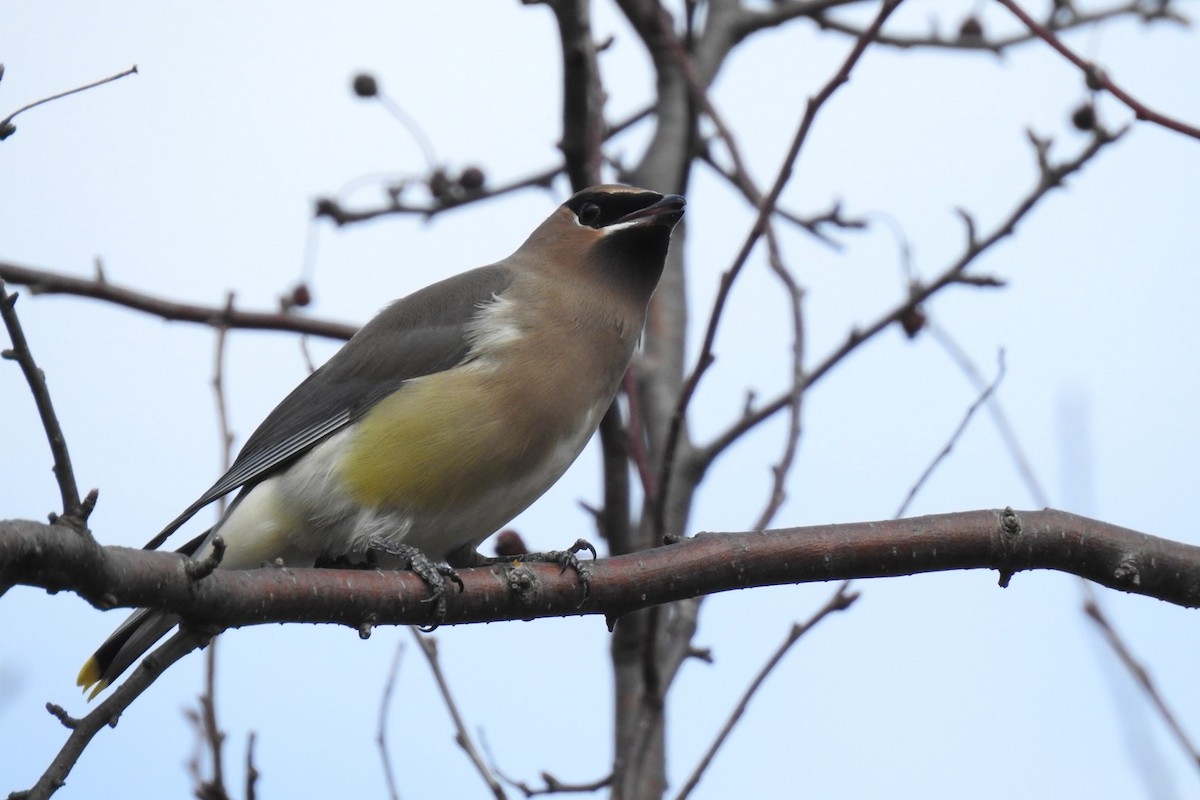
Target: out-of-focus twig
{"points": [[841, 600], [6, 125], [381, 730], [984, 396], [1142, 676], [428, 647], [251, 770]]}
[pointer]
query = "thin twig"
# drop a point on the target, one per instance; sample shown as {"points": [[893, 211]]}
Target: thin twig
{"points": [[45, 282], [813, 225], [1097, 77], [552, 785], [984, 396], [1011, 443], [783, 467], [411, 125], [333, 209], [221, 401], [74, 511], [428, 647], [1091, 605], [206, 720], [1142, 676], [381, 731], [251, 770], [840, 601], [638, 452], [1146, 11], [765, 210], [210, 736], [6, 125]]}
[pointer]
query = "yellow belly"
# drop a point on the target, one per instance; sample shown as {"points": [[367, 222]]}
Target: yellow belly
{"points": [[443, 440]]}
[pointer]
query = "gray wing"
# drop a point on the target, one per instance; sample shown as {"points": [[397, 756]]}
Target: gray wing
{"points": [[418, 335]]}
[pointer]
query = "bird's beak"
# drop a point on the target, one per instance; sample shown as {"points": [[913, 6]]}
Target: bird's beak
{"points": [[666, 211]]}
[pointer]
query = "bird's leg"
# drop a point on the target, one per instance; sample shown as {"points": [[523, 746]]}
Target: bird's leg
{"points": [[566, 559], [433, 573]]}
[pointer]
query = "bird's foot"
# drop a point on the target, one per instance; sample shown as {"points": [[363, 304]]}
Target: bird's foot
{"points": [[433, 573], [566, 559]]}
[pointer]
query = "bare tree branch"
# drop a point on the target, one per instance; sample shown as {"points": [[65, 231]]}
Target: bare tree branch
{"points": [[1097, 78], [1091, 605], [583, 95], [813, 224], [48, 556], [1050, 176], [972, 37], [75, 511], [333, 209], [42, 281], [764, 213]]}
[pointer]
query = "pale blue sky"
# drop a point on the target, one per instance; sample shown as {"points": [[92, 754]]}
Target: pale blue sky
{"points": [[197, 177]]}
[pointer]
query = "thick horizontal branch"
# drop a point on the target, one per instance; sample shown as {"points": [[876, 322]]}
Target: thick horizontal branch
{"points": [[56, 558], [42, 281]]}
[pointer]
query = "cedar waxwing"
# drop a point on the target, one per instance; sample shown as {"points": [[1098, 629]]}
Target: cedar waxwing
{"points": [[446, 415]]}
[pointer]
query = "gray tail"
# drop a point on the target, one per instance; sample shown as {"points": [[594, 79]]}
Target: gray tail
{"points": [[126, 645], [129, 641]]}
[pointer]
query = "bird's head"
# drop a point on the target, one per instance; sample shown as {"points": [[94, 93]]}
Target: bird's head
{"points": [[613, 234]]}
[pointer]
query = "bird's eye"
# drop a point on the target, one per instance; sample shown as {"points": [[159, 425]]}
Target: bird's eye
{"points": [[589, 214]]}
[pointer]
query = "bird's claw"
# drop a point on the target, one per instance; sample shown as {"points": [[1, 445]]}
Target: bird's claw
{"points": [[566, 559], [434, 575]]}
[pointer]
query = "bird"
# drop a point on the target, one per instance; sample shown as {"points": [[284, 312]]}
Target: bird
{"points": [[442, 418]]}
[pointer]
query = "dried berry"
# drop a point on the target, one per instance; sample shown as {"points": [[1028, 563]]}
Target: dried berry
{"points": [[365, 85], [509, 544], [971, 29], [913, 320], [301, 296], [439, 184], [1084, 117], [472, 179]]}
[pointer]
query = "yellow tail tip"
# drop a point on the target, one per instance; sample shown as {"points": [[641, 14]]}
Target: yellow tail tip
{"points": [[90, 674]]}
